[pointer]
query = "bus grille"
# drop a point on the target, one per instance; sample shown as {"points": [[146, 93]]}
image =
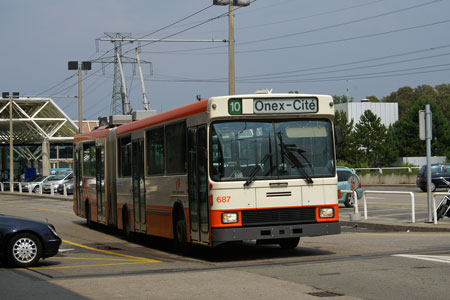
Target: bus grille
{"points": [[296, 215]]}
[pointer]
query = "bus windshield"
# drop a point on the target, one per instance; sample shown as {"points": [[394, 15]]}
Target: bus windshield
{"points": [[271, 149]]}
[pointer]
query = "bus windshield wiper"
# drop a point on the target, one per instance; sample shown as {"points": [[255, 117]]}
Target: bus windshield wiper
{"points": [[295, 162], [252, 175]]}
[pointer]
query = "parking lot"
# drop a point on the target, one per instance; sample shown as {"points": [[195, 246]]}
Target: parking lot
{"points": [[99, 264]]}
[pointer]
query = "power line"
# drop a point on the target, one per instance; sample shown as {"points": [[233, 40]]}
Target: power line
{"points": [[347, 69], [310, 16], [341, 24], [354, 62]]}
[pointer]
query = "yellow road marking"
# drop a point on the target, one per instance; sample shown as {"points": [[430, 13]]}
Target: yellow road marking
{"points": [[111, 253], [100, 258], [38, 208], [93, 265]]}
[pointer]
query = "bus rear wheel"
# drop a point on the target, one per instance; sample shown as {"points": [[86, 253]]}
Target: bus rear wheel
{"points": [[89, 222], [289, 243], [126, 225], [181, 236]]}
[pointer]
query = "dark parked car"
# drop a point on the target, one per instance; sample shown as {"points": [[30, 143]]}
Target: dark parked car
{"points": [[24, 241], [69, 187], [437, 172]]}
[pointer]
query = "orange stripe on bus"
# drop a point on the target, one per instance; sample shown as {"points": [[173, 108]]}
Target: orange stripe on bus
{"points": [[177, 113]]}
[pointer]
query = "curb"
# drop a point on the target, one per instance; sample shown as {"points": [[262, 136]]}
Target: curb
{"points": [[33, 195], [397, 227]]}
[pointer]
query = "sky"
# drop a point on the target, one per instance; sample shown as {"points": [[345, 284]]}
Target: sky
{"points": [[357, 48]]}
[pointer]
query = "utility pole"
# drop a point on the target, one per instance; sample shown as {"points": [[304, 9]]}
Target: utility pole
{"points": [[231, 41], [80, 101], [231, 62], [85, 65], [429, 137], [11, 137]]}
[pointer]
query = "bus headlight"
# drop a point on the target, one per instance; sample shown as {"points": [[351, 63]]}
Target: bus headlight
{"points": [[228, 218], [326, 212]]}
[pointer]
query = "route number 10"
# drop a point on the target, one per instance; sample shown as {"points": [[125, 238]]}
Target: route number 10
{"points": [[235, 106]]}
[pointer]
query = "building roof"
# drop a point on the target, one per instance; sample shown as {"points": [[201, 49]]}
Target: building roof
{"points": [[34, 120]]}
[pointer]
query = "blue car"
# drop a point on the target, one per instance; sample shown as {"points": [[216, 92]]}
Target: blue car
{"points": [[344, 174], [23, 241]]}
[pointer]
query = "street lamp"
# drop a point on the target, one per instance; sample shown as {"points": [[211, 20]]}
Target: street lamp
{"points": [[11, 153], [231, 62], [85, 65]]}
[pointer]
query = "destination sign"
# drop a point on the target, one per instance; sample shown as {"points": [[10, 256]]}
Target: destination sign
{"points": [[285, 106]]}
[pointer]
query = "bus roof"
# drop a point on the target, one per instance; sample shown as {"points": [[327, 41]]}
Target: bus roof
{"points": [[180, 113]]}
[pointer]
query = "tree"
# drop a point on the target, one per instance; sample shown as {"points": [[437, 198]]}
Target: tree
{"points": [[406, 131], [348, 151], [341, 99], [443, 98], [373, 99], [404, 96], [373, 140]]}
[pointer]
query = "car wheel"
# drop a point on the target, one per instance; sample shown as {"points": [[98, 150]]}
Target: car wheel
{"points": [[349, 201], [432, 187], [24, 250], [289, 243], [36, 189]]}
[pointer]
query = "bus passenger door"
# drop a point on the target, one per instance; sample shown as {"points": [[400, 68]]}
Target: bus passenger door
{"points": [[100, 182], [138, 184], [198, 184], [78, 180]]}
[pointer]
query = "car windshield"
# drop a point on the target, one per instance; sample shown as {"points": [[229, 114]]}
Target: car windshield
{"points": [[31, 178], [58, 177], [39, 178], [272, 149]]}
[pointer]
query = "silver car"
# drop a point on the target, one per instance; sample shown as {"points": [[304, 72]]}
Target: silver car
{"points": [[35, 184], [54, 181]]}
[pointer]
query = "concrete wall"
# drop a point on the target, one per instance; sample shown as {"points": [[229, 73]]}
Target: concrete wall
{"points": [[422, 160], [387, 179]]}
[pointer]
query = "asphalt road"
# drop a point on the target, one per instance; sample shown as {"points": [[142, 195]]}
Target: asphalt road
{"points": [[99, 264]]}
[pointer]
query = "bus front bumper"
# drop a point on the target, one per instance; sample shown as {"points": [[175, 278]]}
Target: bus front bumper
{"points": [[221, 235]]}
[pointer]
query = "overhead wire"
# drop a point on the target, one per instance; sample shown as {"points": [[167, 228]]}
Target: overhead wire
{"points": [[309, 31], [342, 24]]}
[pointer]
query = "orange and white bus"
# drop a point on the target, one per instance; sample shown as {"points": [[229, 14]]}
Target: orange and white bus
{"points": [[244, 167]]}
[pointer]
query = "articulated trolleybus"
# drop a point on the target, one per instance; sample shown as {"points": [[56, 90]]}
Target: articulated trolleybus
{"points": [[249, 167]]}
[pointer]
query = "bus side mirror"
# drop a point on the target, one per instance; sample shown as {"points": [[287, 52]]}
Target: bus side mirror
{"points": [[339, 137]]}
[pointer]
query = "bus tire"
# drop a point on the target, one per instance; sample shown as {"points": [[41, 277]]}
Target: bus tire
{"points": [[89, 222], [180, 235], [289, 243], [126, 224]]}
